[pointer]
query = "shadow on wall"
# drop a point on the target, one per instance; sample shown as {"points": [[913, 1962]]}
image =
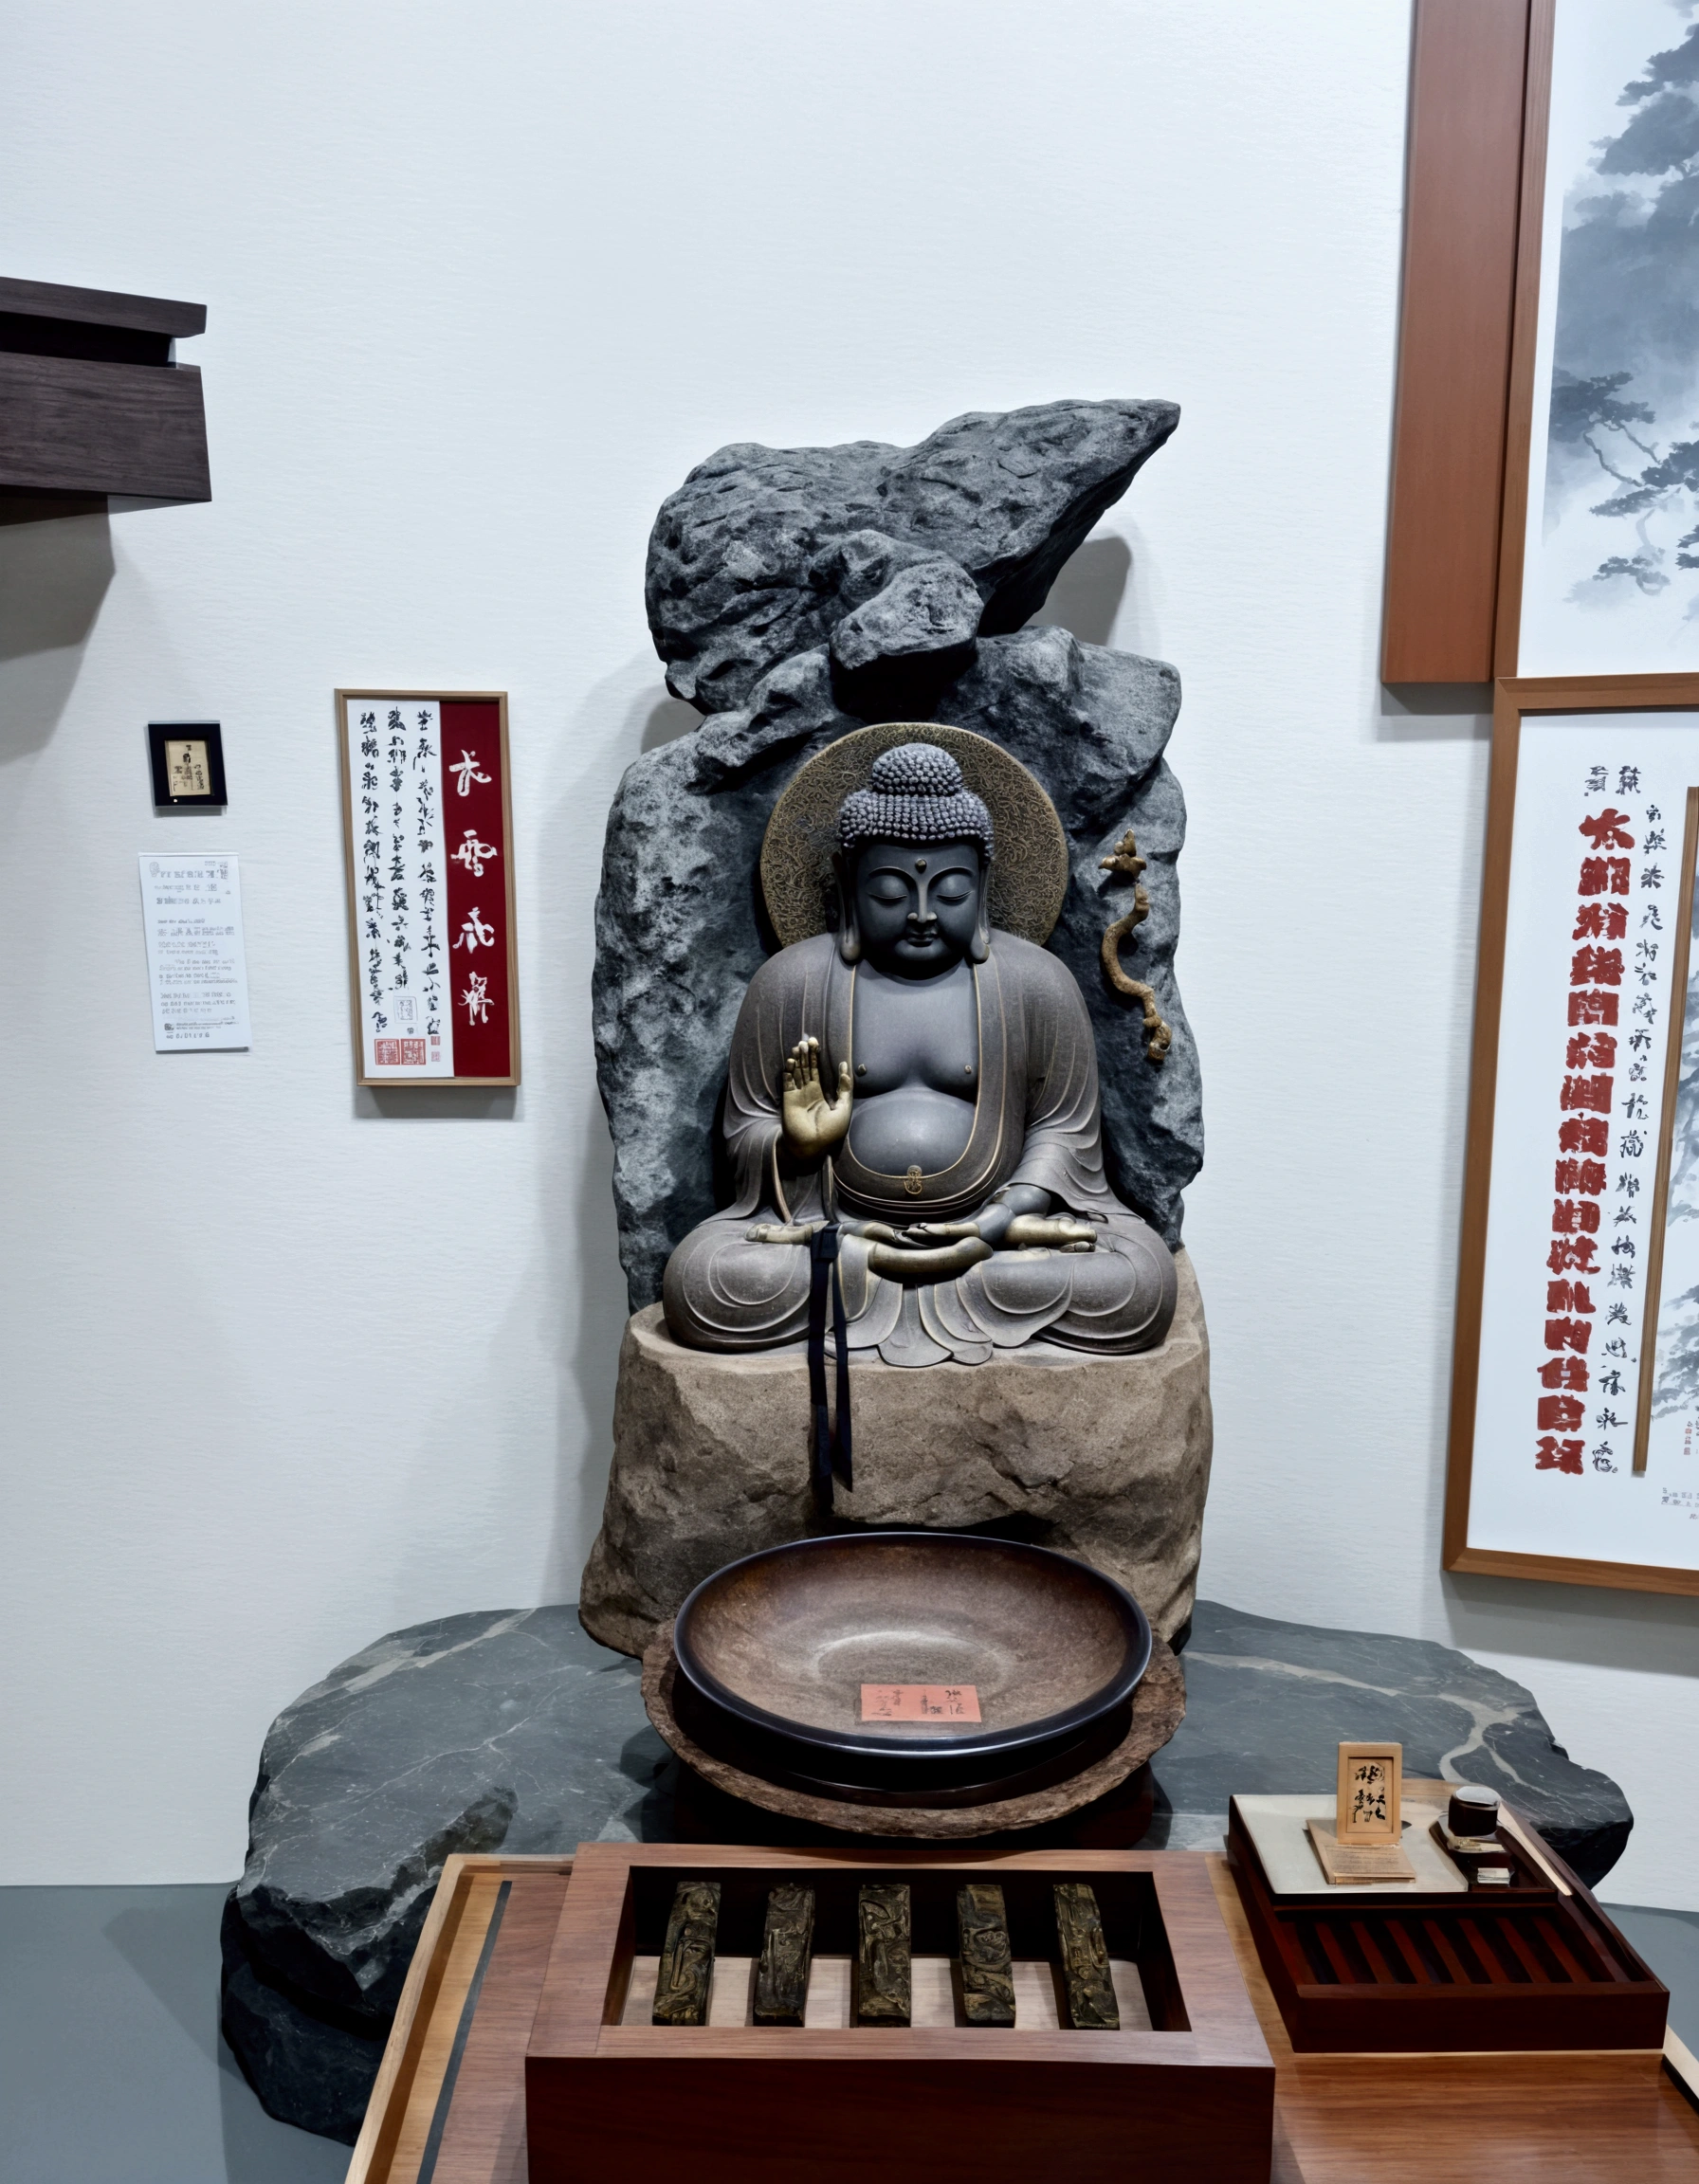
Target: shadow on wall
{"points": [[1593, 1626], [1434, 713], [437, 1104], [580, 1232], [593, 1363], [53, 577], [1088, 590], [667, 721]]}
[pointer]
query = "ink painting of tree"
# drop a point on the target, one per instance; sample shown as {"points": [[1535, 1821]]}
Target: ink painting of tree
{"points": [[1611, 569]]}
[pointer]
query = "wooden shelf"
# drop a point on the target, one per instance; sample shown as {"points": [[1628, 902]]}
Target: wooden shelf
{"points": [[93, 405]]}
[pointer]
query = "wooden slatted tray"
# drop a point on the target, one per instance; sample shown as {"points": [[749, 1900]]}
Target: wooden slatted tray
{"points": [[1542, 1969]]}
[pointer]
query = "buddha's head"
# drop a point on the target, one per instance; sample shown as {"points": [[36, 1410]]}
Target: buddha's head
{"points": [[914, 866]]}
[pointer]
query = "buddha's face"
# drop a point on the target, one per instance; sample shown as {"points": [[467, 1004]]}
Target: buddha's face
{"points": [[916, 905]]}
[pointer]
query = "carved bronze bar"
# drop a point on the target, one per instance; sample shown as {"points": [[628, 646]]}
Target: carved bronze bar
{"points": [[1085, 1960], [987, 1978], [686, 1970], [881, 1981], [787, 1946]]}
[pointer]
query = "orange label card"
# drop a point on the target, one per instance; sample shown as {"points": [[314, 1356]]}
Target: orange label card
{"points": [[920, 1703]]}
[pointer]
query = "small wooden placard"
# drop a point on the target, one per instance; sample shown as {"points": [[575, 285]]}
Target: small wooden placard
{"points": [[1371, 1793], [1355, 1863]]}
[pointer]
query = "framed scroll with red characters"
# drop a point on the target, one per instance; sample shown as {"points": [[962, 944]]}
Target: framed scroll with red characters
{"points": [[1575, 1400], [428, 822]]}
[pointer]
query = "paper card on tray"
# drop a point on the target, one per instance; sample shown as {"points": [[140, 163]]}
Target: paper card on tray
{"points": [[1346, 1863], [920, 1703]]}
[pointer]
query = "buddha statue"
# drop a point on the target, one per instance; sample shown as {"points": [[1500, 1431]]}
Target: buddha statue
{"points": [[928, 1082]]}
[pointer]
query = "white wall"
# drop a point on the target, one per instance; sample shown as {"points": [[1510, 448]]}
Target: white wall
{"points": [[483, 283]]}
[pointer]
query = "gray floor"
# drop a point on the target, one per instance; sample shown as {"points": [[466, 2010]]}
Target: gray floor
{"points": [[111, 2067], [1668, 1940], [112, 2070]]}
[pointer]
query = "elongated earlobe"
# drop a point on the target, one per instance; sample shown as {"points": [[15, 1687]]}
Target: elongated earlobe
{"points": [[848, 931], [980, 946]]}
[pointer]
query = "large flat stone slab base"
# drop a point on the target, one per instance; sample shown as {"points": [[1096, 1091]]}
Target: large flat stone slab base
{"points": [[511, 1731], [1103, 1458]]}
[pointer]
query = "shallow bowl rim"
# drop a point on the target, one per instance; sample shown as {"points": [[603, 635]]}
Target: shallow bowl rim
{"points": [[1112, 1693]]}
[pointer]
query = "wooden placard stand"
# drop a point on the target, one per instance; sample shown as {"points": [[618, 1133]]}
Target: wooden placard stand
{"points": [[1368, 1820]]}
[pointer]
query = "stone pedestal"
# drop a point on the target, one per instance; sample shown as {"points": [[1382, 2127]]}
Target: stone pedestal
{"points": [[1103, 1458]]}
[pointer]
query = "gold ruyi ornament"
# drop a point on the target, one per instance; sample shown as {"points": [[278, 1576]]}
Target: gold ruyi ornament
{"points": [[1126, 861]]}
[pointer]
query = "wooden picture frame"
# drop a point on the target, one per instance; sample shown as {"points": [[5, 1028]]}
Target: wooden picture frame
{"points": [[1510, 1146], [186, 760], [1463, 186], [1530, 534], [409, 914]]}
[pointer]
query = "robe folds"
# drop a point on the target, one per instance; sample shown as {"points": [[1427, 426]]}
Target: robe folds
{"points": [[1035, 1122]]}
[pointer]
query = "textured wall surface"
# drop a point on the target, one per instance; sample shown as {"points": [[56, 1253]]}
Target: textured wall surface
{"points": [[286, 1368]]}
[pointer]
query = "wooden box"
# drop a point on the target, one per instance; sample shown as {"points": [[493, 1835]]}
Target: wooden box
{"points": [[93, 403], [1530, 1967], [1187, 2093]]}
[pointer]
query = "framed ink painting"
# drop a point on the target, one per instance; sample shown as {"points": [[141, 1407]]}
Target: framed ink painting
{"points": [[428, 829], [1575, 1408], [1544, 516], [1599, 574]]}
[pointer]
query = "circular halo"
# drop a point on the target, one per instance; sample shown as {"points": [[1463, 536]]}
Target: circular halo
{"points": [[1028, 872]]}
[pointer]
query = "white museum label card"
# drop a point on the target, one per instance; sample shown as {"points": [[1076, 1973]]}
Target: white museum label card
{"points": [[1594, 913], [197, 968]]}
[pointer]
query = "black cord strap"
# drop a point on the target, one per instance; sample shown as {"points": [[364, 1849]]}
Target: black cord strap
{"points": [[830, 1452]]}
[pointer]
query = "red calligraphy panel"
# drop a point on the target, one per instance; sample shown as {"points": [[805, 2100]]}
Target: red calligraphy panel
{"points": [[475, 839]]}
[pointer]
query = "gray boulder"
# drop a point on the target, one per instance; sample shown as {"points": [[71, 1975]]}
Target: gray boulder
{"points": [[680, 928], [763, 551], [307, 2069], [505, 1731]]}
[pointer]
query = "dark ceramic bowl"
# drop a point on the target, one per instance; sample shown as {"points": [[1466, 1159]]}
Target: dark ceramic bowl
{"points": [[773, 1652]]}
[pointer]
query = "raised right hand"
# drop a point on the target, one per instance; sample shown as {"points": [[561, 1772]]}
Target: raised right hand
{"points": [[813, 1123]]}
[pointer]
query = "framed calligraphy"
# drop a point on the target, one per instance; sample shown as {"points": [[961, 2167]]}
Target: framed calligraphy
{"points": [[186, 758], [427, 827], [1575, 1402]]}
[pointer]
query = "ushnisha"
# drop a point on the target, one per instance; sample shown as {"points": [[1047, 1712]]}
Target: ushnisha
{"points": [[930, 1084]]}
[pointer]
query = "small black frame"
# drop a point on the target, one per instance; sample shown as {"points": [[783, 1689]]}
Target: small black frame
{"points": [[202, 788]]}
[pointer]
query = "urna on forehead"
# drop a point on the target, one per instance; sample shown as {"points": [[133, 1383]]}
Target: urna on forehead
{"points": [[916, 795]]}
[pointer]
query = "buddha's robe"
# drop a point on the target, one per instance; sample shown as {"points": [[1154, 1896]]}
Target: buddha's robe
{"points": [[1035, 1122]]}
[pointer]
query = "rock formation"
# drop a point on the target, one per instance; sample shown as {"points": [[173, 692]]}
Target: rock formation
{"points": [[797, 593]]}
